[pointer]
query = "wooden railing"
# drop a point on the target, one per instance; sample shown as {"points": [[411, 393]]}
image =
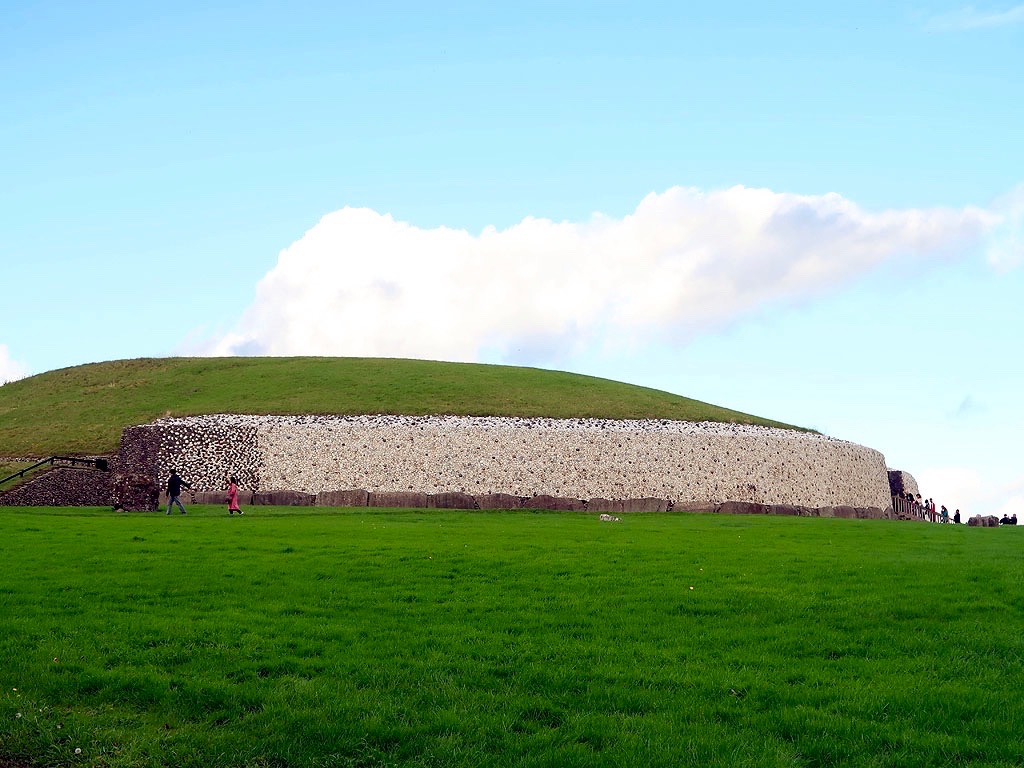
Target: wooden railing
{"points": [[71, 461]]}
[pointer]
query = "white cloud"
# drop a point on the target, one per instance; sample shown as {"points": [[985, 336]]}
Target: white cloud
{"points": [[10, 370], [1010, 506], [970, 17], [957, 487], [362, 283]]}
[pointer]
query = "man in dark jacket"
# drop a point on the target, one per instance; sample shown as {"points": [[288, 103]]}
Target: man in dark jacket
{"points": [[174, 484]]}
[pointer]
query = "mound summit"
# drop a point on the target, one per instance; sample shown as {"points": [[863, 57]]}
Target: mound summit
{"points": [[429, 430]]}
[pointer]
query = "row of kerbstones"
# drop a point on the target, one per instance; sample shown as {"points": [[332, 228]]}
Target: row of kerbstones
{"points": [[684, 462]]}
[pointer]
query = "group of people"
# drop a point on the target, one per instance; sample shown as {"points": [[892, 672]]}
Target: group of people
{"points": [[175, 484], [925, 509]]}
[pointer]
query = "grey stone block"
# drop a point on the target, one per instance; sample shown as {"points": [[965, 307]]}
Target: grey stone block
{"points": [[282, 498], [351, 498], [405, 499], [611, 506], [455, 500], [743, 508], [498, 501], [645, 505], [555, 503]]}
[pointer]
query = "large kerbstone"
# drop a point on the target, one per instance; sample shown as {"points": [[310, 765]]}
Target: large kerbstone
{"points": [[456, 500], [699, 507], [617, 506], [786, 509], [349, 498], [498, 501], [646, 505], [612, 506], [397, 499], [743, 508], [283, 498], [555, 503]]}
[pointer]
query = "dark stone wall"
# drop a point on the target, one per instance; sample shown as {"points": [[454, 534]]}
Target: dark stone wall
{"points": [[140, 450], [136, 486], [63, 487], [901, 483]]}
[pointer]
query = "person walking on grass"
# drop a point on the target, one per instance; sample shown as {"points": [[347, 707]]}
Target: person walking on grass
{"points": [[174, 485], [233, 497]]}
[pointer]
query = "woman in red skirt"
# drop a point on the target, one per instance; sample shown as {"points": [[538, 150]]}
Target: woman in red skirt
{"points": [[233, 497]]}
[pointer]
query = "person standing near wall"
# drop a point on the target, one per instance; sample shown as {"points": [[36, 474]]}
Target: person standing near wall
{"points": [[174, 485], [233, 497]]}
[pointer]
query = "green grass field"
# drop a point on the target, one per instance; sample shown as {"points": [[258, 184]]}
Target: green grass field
{"points": [[309, 637], [85, 408], [8, 468]]}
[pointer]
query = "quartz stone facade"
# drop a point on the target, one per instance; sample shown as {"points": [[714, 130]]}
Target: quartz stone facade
{"points": [[688, 465]]}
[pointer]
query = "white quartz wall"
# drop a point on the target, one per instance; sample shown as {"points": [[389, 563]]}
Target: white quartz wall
{"points": [[684, 462]]}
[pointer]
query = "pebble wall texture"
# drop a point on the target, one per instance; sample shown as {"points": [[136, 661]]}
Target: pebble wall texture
{"points": [[683, 462], [62, 487]]}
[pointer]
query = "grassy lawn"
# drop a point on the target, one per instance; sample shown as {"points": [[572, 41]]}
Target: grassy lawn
{"points": [[85, 408], [309, 637], [8, 468]]}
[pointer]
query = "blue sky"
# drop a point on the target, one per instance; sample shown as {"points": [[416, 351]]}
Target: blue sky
{"points": [[801, 211]]}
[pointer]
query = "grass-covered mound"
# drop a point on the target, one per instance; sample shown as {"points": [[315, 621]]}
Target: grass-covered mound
{"points": [[83, 409], [311, 638]]}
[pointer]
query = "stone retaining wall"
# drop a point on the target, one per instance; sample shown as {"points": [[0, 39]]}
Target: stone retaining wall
{"points": [[62, 487], [686, 465], [901, 483]]}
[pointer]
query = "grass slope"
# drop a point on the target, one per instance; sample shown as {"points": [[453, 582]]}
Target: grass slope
{"points": [[300, 638], [83, 409]]}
